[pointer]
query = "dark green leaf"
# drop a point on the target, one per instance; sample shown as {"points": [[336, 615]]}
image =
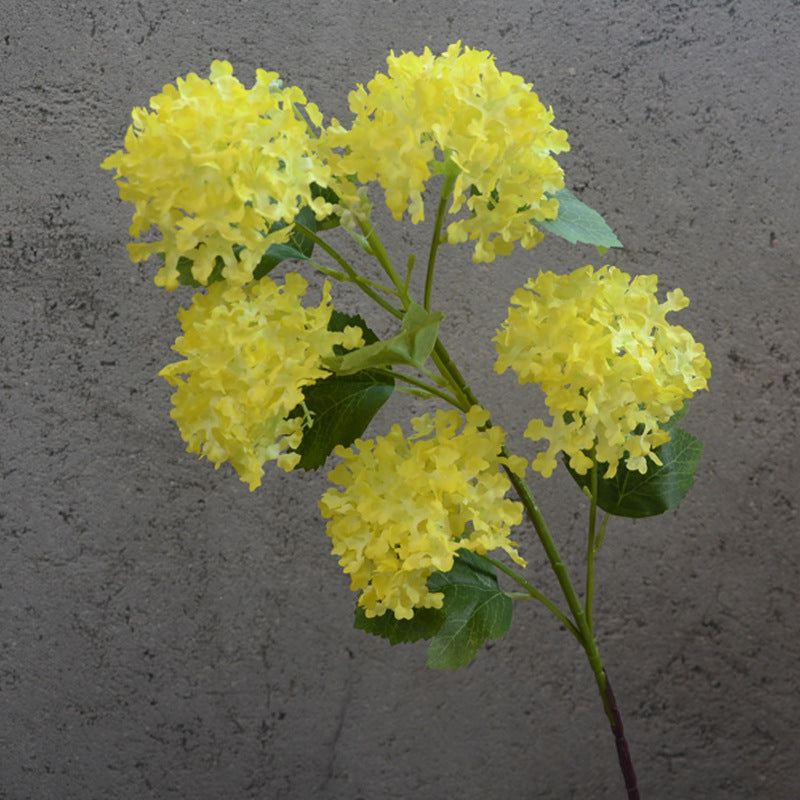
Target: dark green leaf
{"points": [[297, 247], [342, 405], [474, 607], [186, 278], [331, 221], [423, 625], [576, 222], [660, 489]]}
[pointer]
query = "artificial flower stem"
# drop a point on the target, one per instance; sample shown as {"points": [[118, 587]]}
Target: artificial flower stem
{"points": [[345, 265], [433, 391], [409, 269], [559, 568], [587, 639], [623, 751], [379, 251], [582, 625], [591, 548], [539, 524], [453, 376], [535, 594], [347, 278], [450, 175]]}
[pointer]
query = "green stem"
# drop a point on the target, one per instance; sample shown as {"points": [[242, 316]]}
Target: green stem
{"points": [[428, 388], [591, 548], [453, 376], [379, 251], [409, 269], [351, 273], [536, 595], [450, 175], [581, 628], [586, 637], [344, 277]]}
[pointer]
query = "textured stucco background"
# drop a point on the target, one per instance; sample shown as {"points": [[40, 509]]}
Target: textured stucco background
{"points": [[166, 634]]}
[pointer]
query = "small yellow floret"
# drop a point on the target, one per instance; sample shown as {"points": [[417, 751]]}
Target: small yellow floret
{"points": [[612, 368], [407, 504], [459, 109], [212, 166], [248, 354]]}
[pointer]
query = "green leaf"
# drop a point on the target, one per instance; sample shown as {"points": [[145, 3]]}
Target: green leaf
{"points": [[660, 489], [297, 247], [411, 346], [342, 406], [423, 625], [332, 220], [475, 609], [186, 278], [576, 222]]}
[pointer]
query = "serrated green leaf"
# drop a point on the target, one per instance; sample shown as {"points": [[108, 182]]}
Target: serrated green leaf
{"points": [[660, 489], [577, 222], [341, 406], [423, 625], [411, 346], [475, 609]]}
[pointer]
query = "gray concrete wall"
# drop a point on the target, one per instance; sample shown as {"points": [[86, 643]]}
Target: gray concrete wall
{"points": [[165, 633]]}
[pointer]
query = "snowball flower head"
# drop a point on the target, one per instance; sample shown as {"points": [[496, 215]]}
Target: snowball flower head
{"points": [[213, 166], [248, 353], [457, 112], [611, 366], [408, 504]]}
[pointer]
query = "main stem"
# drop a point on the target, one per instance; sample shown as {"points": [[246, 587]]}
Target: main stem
{"points": [[582, 628], [582, 622]]}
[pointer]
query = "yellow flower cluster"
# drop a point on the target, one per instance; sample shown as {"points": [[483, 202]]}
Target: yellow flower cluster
{"points": [[248, 353], [213, 166], [611, 366], [408, 504], [457, 108]]}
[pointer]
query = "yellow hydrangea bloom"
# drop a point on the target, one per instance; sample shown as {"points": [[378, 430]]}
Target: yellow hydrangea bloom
{"points": [[213, 165], [248, 353], [408, 504], [611, 366], [457, 107]]}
